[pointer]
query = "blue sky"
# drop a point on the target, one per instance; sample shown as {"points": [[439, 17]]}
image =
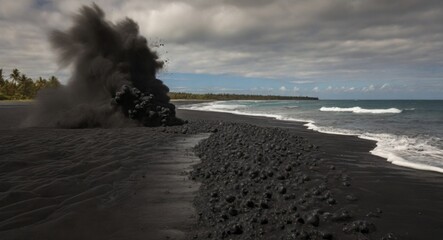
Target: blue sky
{"points": [[326, 89], [356, 49]]}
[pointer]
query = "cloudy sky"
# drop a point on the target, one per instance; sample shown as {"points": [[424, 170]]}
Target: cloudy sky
{"points": [[334, 49]]}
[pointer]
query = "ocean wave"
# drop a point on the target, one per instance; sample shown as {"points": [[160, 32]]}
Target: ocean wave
{"points": [[399, 150], [214, 106], [396, 149], [221, 106], [360, 110]]}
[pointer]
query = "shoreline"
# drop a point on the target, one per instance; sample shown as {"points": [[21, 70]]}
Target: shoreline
{"points": [[379, 150], [410, 200], [301, 128], [334, 180]]}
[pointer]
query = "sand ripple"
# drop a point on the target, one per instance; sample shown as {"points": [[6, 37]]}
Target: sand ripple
{"points": [[46, 174]]}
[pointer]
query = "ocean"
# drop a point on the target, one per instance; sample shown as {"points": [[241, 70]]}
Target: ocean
{"points": [[408, 133]]}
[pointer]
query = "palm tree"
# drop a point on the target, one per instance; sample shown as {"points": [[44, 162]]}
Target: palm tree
{"points": [[41, 83], [26, 87], [2, 80], [53, 82], [15, 75]]}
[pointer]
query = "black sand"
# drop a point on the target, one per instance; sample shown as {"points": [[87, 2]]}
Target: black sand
{"points": [[405, 202], [261, 179], [127, 183]]}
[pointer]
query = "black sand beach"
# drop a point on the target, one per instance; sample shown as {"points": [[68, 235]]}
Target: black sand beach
{"points": [[260, 179]]}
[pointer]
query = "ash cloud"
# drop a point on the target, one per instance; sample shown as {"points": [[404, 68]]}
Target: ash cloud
{"points": [[113, 83]]}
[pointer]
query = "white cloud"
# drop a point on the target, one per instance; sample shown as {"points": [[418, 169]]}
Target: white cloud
{"points": [[302, 81], [369, 88], [178, 89], [282, 88], [384, 86], [340, 89], [296, 89], [315, 89], [14, 9]]}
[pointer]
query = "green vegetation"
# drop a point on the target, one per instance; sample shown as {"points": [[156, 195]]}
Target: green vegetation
{"points": [[224, 96], [20, 87]]}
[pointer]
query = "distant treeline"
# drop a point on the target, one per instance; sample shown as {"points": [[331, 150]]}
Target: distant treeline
{"points": [[20, 87], [225, 96]]}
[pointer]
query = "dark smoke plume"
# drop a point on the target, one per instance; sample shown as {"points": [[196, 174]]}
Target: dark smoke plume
{"points": [[114, 77]]}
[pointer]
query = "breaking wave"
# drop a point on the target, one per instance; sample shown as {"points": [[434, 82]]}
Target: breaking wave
{"points": [[412, 152], [360, 110]]}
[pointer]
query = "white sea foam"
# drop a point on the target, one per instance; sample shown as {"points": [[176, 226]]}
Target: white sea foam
{"points": [[220, 106], [214, 106], [396, 149], [400, 150], [360, 110]]}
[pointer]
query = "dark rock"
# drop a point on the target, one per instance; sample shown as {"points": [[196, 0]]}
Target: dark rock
{"points": [[341, 216], [253, 174], [281, 190], [233, 211], [360, 226], [270, 193], [304, 235], [230, 199], [389, 236], [250, 204], [372, 215], [346, 184], [351, 198], [327, 235], [331, 201], [236, 229], [145, 107], [313, 219], [281, 177], [264, 205], [289, 197], [300, 220]]}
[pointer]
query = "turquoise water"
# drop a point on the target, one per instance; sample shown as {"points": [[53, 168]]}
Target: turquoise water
{"points": [[408, 132]]}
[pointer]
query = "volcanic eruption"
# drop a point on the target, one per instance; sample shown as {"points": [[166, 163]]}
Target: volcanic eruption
{"points": [[113, 80]]}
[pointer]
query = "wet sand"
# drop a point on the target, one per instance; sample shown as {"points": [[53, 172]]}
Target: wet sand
{"points": [[133, 183]]}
